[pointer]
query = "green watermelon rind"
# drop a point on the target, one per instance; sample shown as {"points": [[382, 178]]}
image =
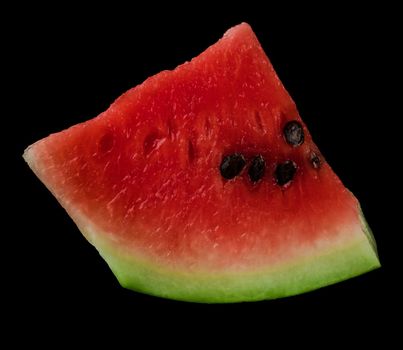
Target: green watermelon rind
{"points": [[327, 267]]}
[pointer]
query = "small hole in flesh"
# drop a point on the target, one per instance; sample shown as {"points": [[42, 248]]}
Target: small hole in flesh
{"points": [[285, 172], [151, 142], [106, 143], [232, 165], [294, 133], [207, 126], [259, 122], [257, 168], [191, 152], [171, 128]]}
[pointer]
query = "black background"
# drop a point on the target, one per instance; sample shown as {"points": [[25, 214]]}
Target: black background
{"points": [[69, 65]]}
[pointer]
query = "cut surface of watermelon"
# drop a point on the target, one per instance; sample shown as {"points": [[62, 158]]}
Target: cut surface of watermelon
{"points": [[203, 184]]}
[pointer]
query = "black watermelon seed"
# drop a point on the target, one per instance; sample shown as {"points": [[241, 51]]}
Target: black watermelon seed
{"points": [[232, 165], [294, 133], [257, 168], [315, 160], [285, 172]]}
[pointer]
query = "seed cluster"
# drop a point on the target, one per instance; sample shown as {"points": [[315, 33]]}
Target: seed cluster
{"points": [[293, 132]]}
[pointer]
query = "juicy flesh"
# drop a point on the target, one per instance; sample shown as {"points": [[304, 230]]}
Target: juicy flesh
{"points": [[146, 171]]}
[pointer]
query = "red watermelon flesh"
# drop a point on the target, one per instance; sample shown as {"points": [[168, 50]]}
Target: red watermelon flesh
{"points": [[143, 183]]}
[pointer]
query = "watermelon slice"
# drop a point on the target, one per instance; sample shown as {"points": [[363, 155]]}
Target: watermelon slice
{"points": [[203, 184]]}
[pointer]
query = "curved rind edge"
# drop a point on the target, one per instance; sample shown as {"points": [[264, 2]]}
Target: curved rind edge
{"points": [[325, 268]]}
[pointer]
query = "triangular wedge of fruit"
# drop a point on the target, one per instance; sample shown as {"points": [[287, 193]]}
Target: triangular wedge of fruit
{"points": [[203, 184]]}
